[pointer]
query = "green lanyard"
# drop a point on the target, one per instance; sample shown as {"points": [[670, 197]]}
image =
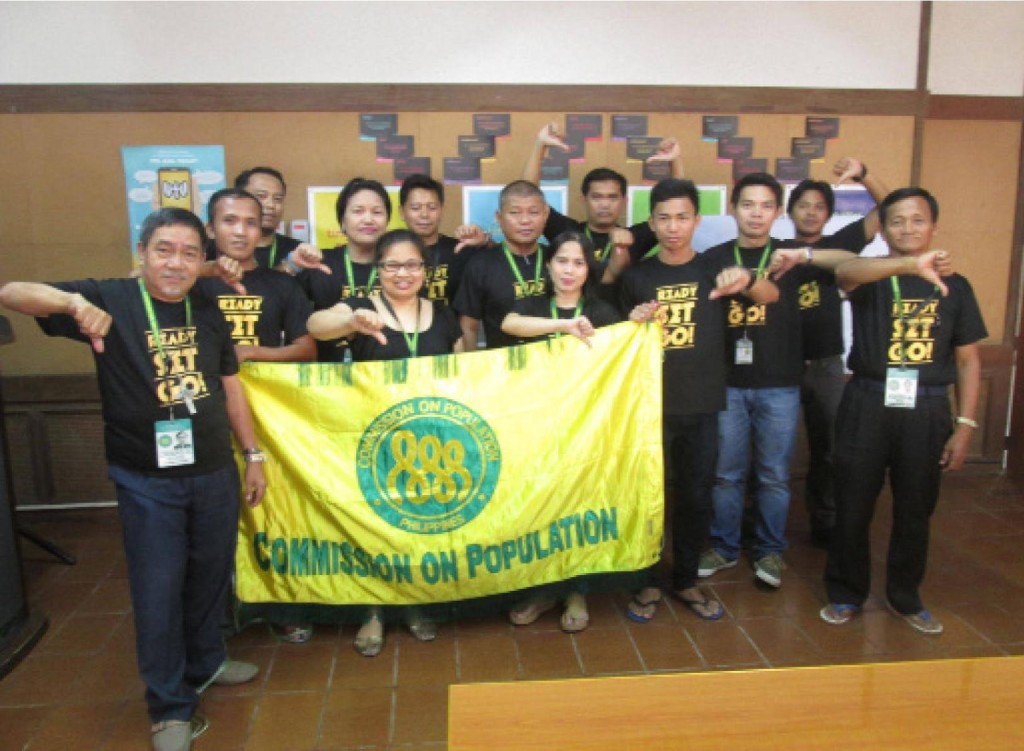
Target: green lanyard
{"points": [[515, 270], [412, 342], [764, 258], [352, 277], [273, 252], [898, 299], [576, 314], [154, 327], [601, 254]]}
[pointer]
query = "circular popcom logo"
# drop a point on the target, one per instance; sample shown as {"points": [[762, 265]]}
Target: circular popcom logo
{"points": [[428, 465]]}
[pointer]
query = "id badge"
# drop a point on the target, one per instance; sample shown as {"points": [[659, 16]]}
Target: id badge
{"points": [[900, 388], [744, 351], [174, 446]]}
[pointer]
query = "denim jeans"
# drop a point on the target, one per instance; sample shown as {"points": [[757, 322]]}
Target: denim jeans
{"points": [[179, 541], [763, 420]]}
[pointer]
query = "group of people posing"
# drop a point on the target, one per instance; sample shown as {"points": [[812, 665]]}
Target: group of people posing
{"points": [[751, 329]]}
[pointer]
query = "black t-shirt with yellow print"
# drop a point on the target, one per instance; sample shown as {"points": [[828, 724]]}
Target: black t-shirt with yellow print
{"points": [[821, 308], [272, 313], [490, 287], [327, 290], [774, 330], [932, 329], [694, 330], [138, 388]]}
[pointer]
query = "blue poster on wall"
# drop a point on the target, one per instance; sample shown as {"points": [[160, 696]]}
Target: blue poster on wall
{"points": [[162, 176]]}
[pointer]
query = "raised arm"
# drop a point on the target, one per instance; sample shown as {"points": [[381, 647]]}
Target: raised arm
{"points": [[550, 136], [852, 169], [669, 151]]}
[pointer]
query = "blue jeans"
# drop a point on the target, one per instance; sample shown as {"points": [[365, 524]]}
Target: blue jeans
{"points": [[179, 541], [765, 419]]}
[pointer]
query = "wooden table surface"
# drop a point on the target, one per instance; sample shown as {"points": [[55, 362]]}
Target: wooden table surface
{"points": [[926, 706]]}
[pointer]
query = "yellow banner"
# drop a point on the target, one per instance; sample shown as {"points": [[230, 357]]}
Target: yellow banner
{"points": [[446, 478]]}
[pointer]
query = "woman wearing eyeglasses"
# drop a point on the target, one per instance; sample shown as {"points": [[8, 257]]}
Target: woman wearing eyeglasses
{"points": [[395, 323]]}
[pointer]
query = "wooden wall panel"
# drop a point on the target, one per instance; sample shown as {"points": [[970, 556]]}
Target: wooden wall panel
{"points": [[972, 167]]}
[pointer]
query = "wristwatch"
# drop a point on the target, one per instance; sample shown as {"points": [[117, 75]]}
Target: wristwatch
{"points": [[967, 421], [253, 455]]}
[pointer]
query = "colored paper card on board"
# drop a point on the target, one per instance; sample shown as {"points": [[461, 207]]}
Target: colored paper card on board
{"points": [[808, 148], [638, 148], [731, 148], [375, 125], [394, 147], [791, 170], [587, 127], [414, 165], [822, 127], [742, 167], [461, 170], [476, 147], [719, 126], [624, 126], [492, 124]]}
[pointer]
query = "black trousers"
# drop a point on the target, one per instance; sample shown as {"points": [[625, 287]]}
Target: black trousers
{"points": [[820, 392], [691, 444], [870, 440]]}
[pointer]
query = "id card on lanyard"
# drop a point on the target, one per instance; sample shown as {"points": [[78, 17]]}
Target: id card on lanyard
{"points": [[744, 354], [173, 438]]}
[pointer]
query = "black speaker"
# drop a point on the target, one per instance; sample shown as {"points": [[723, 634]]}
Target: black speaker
{"points": [[19, 629]]}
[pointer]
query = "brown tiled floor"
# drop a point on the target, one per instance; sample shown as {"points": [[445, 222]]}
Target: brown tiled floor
{"points": [[78, 689]]}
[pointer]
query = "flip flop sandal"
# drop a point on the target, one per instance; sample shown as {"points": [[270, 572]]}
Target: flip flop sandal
{"points": [[702, 608], [635, 611]]}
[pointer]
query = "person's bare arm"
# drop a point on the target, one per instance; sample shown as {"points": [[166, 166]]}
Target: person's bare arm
{"points": [[930, 266], [550, 136], [35, 299], [254, 484], [470, 333], [849, 168], [968, 386]]}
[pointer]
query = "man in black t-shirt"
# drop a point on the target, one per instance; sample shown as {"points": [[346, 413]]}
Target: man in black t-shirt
{"points": [[267, 184], [688, 294], [268, 322], [422, 203], [604, 198], [765, 365], [496, 278], [811, 205], [171, 398], [914, 334]]}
